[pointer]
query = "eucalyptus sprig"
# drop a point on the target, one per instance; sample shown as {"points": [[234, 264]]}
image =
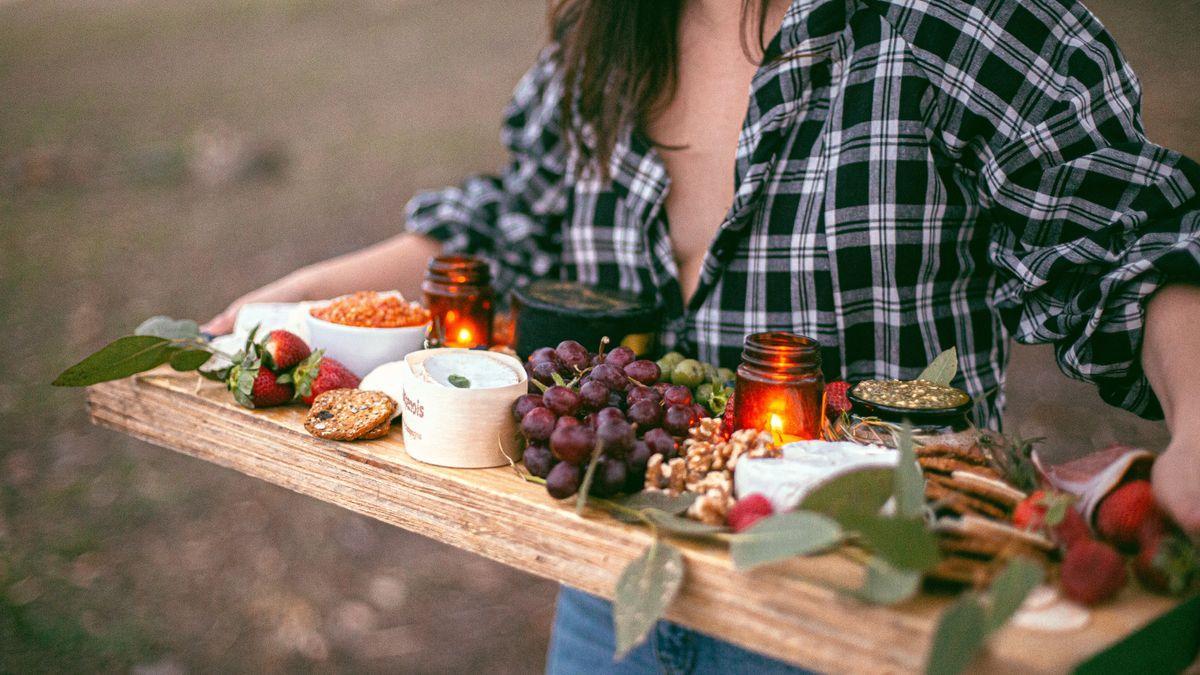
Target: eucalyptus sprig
{"points": [[156, 341]]}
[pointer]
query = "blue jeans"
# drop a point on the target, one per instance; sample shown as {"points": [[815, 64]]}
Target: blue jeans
{"points": [[583, 640]]}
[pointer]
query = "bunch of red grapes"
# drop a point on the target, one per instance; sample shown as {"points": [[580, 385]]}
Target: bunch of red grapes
{"points": [[610, 405]]}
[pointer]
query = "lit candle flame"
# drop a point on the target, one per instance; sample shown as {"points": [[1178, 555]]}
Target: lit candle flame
{"points": [[776, 424], [464, 335]]}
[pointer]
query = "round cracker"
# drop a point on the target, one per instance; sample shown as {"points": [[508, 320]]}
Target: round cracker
{"points": [[347, 414]]}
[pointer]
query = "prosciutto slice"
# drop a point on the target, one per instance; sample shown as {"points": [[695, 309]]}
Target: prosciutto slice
{"points": [[1092, 476]]}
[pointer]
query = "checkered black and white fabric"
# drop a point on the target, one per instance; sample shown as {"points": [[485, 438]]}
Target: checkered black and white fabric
{"points": [[911, 175]]}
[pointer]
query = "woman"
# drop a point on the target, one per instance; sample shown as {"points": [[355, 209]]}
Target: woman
{"points": [[906, 176]]}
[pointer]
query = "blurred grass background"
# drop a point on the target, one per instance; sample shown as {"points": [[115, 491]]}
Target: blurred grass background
{"points": [[165, 157]]}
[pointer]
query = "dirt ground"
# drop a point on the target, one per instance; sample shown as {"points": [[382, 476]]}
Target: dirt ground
{"points": [[164, 157]]}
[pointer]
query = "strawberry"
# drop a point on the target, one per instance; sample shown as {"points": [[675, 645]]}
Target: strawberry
{"points": [[1053, 511], [747, 511], [727, 427], [1092, 572], [318, 374], [1030, 513], [1123, 511], [1166, 561], [1073, 528], [255, 386], [836, 401], [267, 391], [282, 350]]}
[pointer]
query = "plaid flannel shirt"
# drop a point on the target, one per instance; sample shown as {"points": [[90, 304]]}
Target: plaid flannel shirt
{"points": [[911, 175]]}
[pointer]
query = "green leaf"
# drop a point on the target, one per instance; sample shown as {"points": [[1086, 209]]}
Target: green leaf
{"points": [[859, 492], [669, 522], [646, 587], [903, 542], [189, 359], [887, 585], [657, 499], [782, 536], [649, 499], [459, 381], [120, 358], [908, 482], [943, 368], [171, 329], [959, 636], [1010, 589]]}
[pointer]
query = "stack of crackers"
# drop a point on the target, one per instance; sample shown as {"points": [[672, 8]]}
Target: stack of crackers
{"points": [[975, 508], [351, 415]]}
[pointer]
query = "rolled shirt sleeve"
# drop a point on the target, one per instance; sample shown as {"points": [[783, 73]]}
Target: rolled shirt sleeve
{"points": [[1087, 217], [512, 219]]}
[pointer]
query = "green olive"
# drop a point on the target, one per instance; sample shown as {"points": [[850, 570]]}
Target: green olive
{"points": [[689, 373], [727, 376], [719, 400], [710, 373], [671, 358], [666, 368], [703, 393]]}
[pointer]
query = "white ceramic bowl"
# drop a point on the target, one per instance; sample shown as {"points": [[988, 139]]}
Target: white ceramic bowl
{"points": [[360, 348]]}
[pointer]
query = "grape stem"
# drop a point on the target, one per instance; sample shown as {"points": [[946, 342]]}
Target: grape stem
{"points": [[588, 477]]}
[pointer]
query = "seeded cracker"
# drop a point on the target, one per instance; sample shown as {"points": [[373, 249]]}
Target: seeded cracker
{"points": [[948, 465], [378, 432], [348, 414], [962, 504]]}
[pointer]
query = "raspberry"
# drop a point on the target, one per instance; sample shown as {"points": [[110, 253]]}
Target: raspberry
{"points": [[747, 511], [836, 401]]}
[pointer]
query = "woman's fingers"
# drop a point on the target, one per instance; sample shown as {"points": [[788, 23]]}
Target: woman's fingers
{"points": [[221, 323], [1176, 485]]}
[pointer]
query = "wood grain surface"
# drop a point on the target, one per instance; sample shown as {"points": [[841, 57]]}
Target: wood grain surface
{"points": [[789, 610]]}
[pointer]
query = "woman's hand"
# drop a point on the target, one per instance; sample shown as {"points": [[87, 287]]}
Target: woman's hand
{"points": [[1176, 481], [288, 289], [393, 264], [1169, 355]]}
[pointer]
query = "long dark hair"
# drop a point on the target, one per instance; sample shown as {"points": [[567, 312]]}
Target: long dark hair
{"points": [[622, 56]]}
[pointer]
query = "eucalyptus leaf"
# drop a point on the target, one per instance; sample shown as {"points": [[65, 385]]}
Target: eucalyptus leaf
{"points": [[649, 499], [171, 329], [887, 585], [960, 634], [121, 358], [904, 542], [669, 522], [942, 369], [783, 536], [190, 359], [908, 482], [1010, 589], [644, 590], [859, 492], [459, 381], [657, 499]]}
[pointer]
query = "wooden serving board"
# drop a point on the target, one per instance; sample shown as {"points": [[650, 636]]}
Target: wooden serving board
{"points": [[787, 610]]}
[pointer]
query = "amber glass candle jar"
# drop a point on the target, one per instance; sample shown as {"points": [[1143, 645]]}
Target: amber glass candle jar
{"points": [[458, 293], [780, 386]]}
